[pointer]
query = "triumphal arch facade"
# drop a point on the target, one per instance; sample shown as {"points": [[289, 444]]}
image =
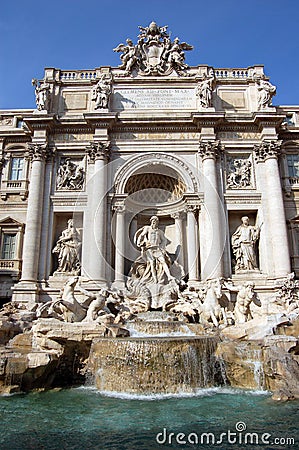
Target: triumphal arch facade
{"points": [[200, 148]]}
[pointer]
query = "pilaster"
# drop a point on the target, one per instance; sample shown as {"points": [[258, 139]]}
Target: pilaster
{"points": [[94, 249], [192, 243], [37, 153], [119, 280], [212, 222], [267, 153]]}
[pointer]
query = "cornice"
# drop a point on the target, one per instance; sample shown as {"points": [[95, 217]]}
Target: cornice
{"points": [[100, 119], [268, 119], [40, 121]]}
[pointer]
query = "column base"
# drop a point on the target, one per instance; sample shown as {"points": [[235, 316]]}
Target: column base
{"points": [[26, 292]]}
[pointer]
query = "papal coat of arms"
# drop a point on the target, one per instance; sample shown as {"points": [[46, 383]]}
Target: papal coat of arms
{"points": [[154, 53]]}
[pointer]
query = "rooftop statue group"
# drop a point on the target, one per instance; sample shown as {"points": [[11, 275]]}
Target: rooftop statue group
{"points": [[155, 53]]}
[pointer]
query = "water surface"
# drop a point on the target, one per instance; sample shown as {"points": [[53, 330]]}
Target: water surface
{"points": [[83, 418]]}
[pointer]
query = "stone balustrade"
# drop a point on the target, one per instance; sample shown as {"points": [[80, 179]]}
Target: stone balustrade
{"points": [[10, 265], [232, 73], [77, 75], [12, 187]]}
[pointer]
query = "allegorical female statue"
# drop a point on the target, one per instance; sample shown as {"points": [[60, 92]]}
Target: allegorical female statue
{"points": [[243, 244], [67, 249]]}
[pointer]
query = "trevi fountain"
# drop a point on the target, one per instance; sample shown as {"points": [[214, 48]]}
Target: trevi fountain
{"points": [[159, 286]]}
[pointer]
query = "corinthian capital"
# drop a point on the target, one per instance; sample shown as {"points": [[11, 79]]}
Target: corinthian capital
{"points": [[37, 152], [209, 149], [98, 150], [267, 149]]}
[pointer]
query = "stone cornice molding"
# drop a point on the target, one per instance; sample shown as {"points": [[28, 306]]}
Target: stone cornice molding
{"points": [[100, 119], [209, 149], [266, 150], [268, 119], [38, 152], [98, 150], [40, 122], [204, 119], [148, 128]]}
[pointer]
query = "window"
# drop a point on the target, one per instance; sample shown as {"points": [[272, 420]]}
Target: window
{"points": [[16, 168], [8, 250], [293, 165]]}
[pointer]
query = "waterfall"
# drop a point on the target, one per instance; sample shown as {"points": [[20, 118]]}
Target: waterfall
{"points": [[155, 364]]}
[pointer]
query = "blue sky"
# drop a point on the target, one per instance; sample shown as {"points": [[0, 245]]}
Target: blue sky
{"points": [[73, 34]]}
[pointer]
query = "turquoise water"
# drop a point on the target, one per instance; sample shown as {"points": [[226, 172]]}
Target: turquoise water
{"points": [[83, 418]]}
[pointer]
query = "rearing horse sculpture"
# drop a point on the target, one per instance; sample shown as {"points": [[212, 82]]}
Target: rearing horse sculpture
{"points": [[211, 309]]}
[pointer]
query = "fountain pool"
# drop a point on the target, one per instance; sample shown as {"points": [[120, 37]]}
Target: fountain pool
{"points": [[84, 418]]}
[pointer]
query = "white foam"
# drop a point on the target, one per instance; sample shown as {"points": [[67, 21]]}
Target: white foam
{"points": [[135, 333], [201, 392]]}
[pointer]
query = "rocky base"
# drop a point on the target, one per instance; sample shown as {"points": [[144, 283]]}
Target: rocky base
{"points": [[51, 354], [262, 353]]}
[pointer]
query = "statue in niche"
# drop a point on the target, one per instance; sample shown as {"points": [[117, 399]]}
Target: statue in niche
{"points": [[70, 176], [243, 244], [245, 297], [67, 249], [41, 94], [238, 173], [154, 279], [102, 91], [204, 91], [152, 242], [266, 91]]}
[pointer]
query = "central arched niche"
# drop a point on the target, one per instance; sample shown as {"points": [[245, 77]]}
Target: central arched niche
{"points": [[152, 189], [155, 184]]}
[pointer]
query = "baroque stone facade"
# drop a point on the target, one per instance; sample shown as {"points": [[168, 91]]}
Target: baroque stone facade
{"points": [[201, 148]]}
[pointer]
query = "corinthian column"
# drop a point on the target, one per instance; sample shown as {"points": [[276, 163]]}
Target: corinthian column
{"points": [[94, 240], [120, 245], [178, 220], [211, 229], [192, 243], [267, 154], [37, 154]]}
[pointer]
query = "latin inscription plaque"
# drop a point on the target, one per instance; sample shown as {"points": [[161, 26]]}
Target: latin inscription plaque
{"points": [[147, 98]]}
